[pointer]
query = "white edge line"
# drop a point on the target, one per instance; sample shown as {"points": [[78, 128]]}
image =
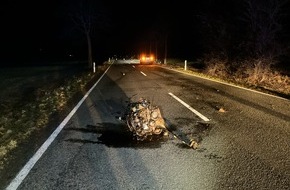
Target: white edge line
{"points": [[191, 74], [143, 73], [189, 107], [29, 165]]}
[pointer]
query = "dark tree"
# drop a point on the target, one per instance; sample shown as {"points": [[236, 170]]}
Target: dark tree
{"points": [[217, 25], [90, 17], [263, 19]]}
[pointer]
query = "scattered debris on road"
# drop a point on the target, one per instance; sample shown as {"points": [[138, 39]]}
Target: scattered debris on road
{"points": [[190, 133], [145, 120], [222, 110]]}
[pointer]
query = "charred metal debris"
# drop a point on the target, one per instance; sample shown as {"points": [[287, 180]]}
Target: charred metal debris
{"points": [[145, 121]]}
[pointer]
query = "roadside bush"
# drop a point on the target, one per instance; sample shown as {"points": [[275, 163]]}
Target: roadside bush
{"points": [[259, 73], [216, 65]]}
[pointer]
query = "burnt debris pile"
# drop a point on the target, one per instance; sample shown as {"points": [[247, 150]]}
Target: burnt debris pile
{"points": [[145, 120], [146, 123]]}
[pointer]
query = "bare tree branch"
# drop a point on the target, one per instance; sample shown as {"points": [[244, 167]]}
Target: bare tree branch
{"points": [[89, 17]]}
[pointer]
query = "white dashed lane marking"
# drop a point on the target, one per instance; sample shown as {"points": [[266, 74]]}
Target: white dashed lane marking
{"points": [[143, 73], [189, 107]]}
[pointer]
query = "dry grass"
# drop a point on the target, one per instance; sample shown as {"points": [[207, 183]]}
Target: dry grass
{"points": [[252, 73], [258, 73], [16, 125], [216, 66]]}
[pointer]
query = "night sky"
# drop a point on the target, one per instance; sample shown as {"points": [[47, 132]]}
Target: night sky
{"points": [[39, 29], [44, 30]]}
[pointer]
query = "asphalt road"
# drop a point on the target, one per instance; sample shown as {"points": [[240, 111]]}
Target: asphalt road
{"points": [[243, 137]]}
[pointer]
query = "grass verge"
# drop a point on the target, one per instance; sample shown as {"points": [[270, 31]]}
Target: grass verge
{"points": [[24, 118], [250, 74]]}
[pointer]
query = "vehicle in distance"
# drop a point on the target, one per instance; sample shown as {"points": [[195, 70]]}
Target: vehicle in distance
{"points": [[147, 59]]}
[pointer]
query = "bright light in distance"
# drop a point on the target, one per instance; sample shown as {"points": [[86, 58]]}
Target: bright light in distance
{"points": [[143, 57]]}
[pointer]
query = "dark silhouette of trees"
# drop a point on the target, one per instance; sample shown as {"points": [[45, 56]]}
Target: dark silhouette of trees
{"points": [[263, 19], [219, 27], [89, 17], [247, 28], [164, 26]]}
